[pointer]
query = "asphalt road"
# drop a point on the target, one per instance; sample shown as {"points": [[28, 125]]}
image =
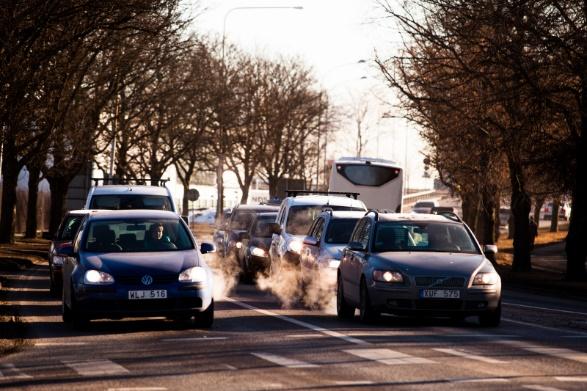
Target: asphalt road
{"points": [[255, 344]]}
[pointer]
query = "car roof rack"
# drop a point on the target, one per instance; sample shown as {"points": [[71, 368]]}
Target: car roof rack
{"points": [[449, 215], [130, 181], [295, 193]]}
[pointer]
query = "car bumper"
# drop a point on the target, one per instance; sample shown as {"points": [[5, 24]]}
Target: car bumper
{"points": [[97, 302], [408, 301]]}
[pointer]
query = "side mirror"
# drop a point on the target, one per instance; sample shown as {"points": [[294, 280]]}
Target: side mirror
{"points": [[207, 247], [490, 249], [356, 246], [65, 250], [242, 236], [310, 241], [275, 228]]}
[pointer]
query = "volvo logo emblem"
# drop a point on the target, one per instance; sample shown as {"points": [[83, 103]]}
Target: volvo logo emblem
{"points": [[147, 279]]}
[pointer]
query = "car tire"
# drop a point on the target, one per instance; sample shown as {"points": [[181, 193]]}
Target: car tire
{"points": [[72, 315], [344, 311], [205, 319], [491, 318], [366, 312]]}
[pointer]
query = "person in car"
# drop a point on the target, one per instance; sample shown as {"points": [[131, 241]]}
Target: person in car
{"points": [[156, 239]]}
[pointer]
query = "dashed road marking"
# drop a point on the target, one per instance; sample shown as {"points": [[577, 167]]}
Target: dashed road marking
{"points": [[284, 361], [192, 339], [96, 367], [575, 379], [567, 354], [306, 325], [388, 356], [534, 325], [230, 367], [9, 371], [475, 357], [545, 308], [537, 387]]}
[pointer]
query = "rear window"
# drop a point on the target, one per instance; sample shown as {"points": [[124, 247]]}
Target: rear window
{"points": [[241, 220], [424, 204], [339, 231], [133, 201], [300, 217], [367, 175], [263, 228]]}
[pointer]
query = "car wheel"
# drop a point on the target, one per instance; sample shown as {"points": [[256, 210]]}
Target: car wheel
{"points": [[343, 309], [206, 318], [491, 318], [72, 315], [366, 313]]}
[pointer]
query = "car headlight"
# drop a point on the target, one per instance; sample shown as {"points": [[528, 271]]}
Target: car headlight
{"points": [[387, 276], [486, 278], [95, 277], [194, 274], [258, 252], [58, 260], [238, 244], [295, 246]]}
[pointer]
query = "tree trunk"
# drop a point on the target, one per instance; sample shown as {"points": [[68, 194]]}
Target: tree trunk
{"points": [[575, 243], [58, 186], [10, 170], [497, 218], [521, 204], [555, 211], [487, 218], [273, 181], [537, 207], [31, 215], [245, 188], [185, 204], [470, 206]]}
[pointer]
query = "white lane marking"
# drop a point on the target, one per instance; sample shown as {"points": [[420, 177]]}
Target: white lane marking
{"points": [[545, 308], [482, 380], [192, 339], [538, 326], [354, 383], [541, 388], [577, 379], [567, 354], [138, 389], [305, 336], [475, 357], [310, 326], [284, 361], [230, 367], [9, 371], [60, 343], [388, 356], [96, 367]]}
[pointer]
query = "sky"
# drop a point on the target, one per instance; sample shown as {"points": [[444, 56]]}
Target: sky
{"points": [[338, 39]]}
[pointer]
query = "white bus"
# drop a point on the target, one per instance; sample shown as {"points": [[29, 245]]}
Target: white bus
{"points": [[379, 182]]}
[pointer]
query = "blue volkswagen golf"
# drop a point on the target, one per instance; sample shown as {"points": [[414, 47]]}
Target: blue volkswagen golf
{"points": [[136, 263]]}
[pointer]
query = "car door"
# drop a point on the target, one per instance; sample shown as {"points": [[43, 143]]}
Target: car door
{"points": [[276, 239], [358, 260], [309, 253]]}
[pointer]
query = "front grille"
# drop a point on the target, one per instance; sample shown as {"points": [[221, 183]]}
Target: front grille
{"points": [[157, 279], [440, 282]]}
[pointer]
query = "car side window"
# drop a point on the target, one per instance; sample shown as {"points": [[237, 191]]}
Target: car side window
{"points": [[356, 233], [364, 234], [318, 229], [282, 216]]}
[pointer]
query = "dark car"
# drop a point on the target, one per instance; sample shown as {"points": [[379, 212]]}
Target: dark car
{"points": [[240, 219], [410, 264], [254, 251], [64, 236], [218, 236], [136, 263]]}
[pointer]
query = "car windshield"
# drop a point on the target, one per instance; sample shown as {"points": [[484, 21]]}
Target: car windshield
{"points": [[300, 217], [137, 235], [418, 236], [134, 201], [339, 231], [263, 227], [425, 204]]}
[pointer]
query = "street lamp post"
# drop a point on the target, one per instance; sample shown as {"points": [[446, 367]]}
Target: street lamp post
{"points": [[221, 157]]}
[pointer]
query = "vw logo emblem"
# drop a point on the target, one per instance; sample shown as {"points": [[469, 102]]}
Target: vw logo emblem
{"points": [[147, 279]]}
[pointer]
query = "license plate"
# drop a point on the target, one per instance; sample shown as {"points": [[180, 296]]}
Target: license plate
{"points": [[143, 295], [440, 293]]}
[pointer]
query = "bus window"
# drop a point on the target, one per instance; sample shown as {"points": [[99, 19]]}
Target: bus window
{"points": [[367, 175]]}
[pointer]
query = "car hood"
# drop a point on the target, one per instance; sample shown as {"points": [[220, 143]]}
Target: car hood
{"points": [[431, 263], [137, 263]]}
